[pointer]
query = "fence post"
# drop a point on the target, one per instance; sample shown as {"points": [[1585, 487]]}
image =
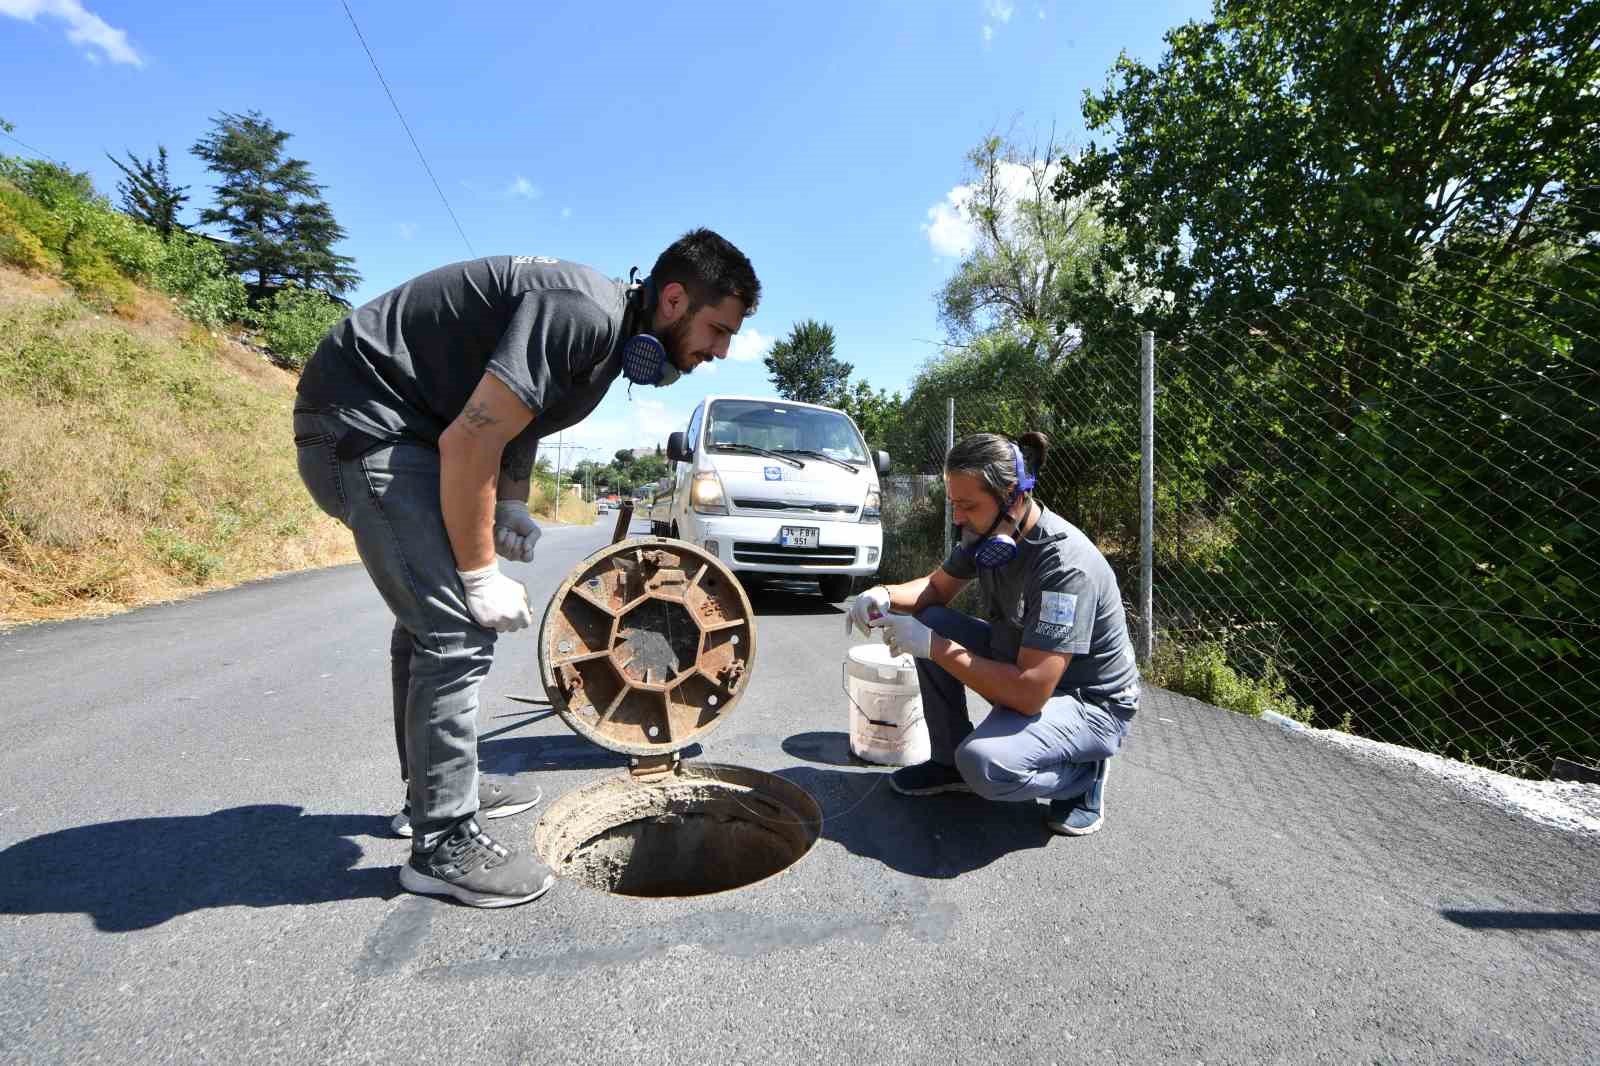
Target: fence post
{"points": [[1147, 493], [949, 442]]}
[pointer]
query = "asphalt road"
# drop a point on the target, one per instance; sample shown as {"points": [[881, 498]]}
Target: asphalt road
{"points": [[193, 868]]}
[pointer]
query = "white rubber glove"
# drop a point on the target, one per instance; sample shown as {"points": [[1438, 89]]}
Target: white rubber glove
{"points": [[907, 636], [496, 601], [515, 531], [868, 611]]}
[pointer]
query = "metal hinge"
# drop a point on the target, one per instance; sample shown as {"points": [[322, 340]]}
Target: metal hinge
{"points": [[647, 766]]}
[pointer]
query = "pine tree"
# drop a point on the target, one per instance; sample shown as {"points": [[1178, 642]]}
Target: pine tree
{"points": [[802, 365], [148, 194], [282, 229]]}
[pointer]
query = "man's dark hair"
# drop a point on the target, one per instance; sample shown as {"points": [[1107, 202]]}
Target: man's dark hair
{"points": [[710, 268]]}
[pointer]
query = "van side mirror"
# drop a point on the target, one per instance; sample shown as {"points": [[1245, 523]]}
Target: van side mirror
{"points": [[882, 459], [676, 450]]}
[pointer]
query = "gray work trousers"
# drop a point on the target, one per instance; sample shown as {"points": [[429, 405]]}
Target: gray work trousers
{"points": [[1011, 756], [438, 653]]}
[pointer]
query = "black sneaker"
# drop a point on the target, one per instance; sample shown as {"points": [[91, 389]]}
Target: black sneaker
{"points": [[469, 865], [498, 797], [927, 779]]}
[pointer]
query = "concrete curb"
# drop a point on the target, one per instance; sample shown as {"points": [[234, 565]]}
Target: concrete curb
{"points": [[1284, 722]]}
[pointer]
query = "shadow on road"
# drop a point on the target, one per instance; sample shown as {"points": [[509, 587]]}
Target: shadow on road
{"points": [[778, 597], [141, 872], [933, 836], [515, 755], [829, 748], [1524, 920]]}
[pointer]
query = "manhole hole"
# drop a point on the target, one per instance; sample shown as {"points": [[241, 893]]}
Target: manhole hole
{"points": [[704, 828]]}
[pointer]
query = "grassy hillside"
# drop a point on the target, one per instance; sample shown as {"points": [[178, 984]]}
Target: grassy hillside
{"points": [[142, 458]]}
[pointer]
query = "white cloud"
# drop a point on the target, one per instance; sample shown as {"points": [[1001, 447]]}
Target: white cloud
{"points": [[83, 27], [1000, 10], [988, 34], [407, 230], [749, 344], [950, 228], [524, 188], [566, 212]]}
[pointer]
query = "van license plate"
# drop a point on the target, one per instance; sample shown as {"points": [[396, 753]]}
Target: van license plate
{"points": [[799, 536]]}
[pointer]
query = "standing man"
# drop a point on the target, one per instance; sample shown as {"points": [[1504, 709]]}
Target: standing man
{"points": [[416, 425]]}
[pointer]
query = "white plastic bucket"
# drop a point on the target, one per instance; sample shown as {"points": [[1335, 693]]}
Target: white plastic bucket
{"points": [[886, 724]]}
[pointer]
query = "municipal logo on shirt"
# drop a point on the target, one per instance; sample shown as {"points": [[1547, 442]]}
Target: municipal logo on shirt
{"points": [[773, 473], [1058, 609]]}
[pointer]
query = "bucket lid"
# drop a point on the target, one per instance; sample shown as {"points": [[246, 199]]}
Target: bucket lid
{"points": [[646, 646], [878, 654]]}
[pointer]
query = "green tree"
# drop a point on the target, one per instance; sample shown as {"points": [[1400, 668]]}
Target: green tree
{"points": [[1288, 145], [1031, 252], [803, 367], [282, 230], [148, 193], [875, 412]]}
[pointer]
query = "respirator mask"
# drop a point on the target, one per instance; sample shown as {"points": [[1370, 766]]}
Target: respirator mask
{"points": [[644, 357]]}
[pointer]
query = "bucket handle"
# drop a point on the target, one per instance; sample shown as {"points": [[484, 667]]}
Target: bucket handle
{"points": [[844, 685]]}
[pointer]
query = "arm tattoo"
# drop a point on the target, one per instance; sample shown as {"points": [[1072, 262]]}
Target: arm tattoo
{"points": [[477, 416]]}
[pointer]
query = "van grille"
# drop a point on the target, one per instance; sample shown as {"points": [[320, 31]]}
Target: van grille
{"points": [[816, 507], [745, 551]]}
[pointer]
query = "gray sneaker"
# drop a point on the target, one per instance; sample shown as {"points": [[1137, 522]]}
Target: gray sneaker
{"points": [[1085, 814], [498, 797], [927, 779], [471, 866]]}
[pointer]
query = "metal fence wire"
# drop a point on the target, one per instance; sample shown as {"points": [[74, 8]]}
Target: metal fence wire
{"points": [[1376, 506]]}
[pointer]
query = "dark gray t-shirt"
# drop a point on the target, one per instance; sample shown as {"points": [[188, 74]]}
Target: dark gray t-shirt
{"points": [[1060, 595], [404, 365]]}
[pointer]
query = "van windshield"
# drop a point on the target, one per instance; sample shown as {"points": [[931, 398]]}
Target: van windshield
{"points": [[779, 427]]}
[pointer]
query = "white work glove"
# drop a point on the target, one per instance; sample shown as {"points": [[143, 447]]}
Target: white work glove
{"points": [[496, 601], [907, 636], [515, 531], [868, 611]]}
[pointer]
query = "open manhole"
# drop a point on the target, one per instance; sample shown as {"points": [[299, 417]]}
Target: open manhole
{"points": [[645, 649], [705, 828]]}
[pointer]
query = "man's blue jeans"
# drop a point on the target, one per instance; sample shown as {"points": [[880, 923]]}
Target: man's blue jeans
{"points": [[1011, 756], [389, 499]]}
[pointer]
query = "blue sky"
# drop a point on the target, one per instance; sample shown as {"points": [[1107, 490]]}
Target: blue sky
{"points": [[823, 139]]}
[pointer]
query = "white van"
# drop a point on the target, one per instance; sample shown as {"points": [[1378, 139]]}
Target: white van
{"points": [[776, 487]]}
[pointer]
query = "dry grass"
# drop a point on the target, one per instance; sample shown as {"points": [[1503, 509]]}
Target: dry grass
{"points": [[141, 459]]}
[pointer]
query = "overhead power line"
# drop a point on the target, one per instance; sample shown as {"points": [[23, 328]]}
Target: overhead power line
{"points": [[392, 102], [42, 155]]}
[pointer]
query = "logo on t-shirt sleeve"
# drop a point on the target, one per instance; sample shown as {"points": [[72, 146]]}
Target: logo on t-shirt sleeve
{"points": [[1058, 608]]}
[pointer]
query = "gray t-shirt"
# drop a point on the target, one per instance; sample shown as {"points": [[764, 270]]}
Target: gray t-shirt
{"points": [[404, 365], [1060, 595]]}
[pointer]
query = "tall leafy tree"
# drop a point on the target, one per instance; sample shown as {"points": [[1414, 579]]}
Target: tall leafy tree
{"points": [[271, 207], [1030, 251], [148, 192], [803, 366]]}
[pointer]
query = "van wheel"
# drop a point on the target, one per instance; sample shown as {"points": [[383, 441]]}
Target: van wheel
{"points": [[835, 587]]}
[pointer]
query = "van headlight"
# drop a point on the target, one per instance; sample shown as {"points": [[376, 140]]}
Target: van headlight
{"points": [[872, 510], [705, 495]]}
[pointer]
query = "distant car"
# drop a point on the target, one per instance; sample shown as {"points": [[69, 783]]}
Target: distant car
{"points": [[603, 507]]}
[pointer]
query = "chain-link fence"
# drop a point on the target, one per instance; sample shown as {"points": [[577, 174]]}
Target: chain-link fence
{"points": [[1376, 508]]}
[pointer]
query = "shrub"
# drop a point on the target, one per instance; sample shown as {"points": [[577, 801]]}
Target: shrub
{"points": [[1203, 670], [19, 246], [295, 321], [92, 273], [193, 270]]}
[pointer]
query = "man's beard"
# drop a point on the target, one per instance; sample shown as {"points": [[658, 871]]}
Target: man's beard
{"points": [[675, 339]]}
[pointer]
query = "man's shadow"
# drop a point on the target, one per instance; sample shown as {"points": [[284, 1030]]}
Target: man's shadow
{"points": [[138, 873], [926, 836]]}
